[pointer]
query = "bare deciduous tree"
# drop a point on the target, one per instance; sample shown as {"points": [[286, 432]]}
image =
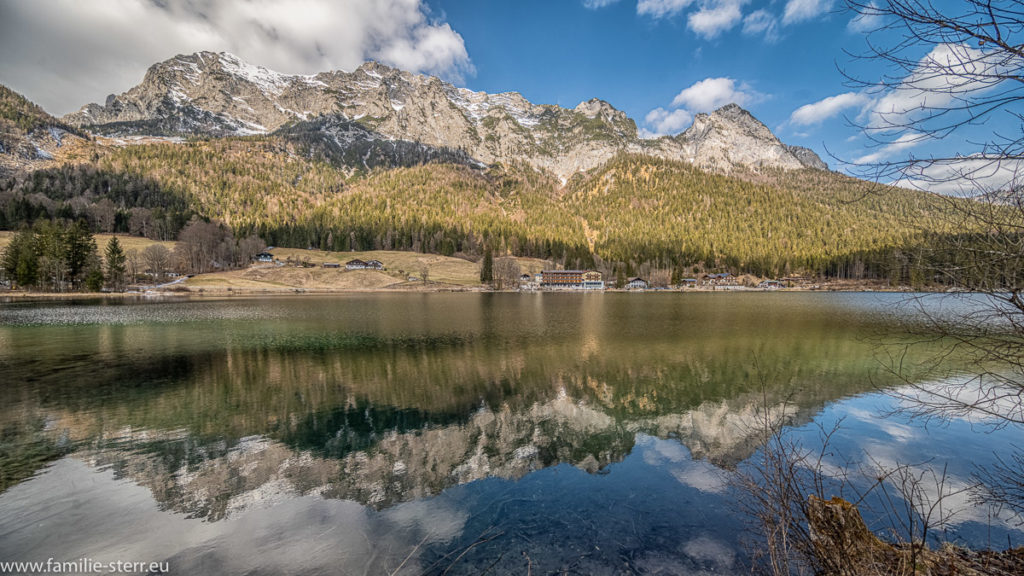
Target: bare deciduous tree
{"points": [[660, 277], [157, 259], [972, 72], [506, 272], [955, 73], [248, 248], [102, 215], [140, 222], [133, 263]]}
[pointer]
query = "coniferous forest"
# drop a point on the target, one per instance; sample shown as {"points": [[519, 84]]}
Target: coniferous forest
{"points": [[632, 213]]}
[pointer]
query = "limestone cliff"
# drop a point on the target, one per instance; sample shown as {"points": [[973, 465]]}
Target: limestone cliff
{"points": [[219, 94]]}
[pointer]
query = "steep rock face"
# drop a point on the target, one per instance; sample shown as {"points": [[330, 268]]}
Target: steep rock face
{"points": [[207, 93], [220, 94], [402, 466], [808, 158], [348, 143], [731, 136]]}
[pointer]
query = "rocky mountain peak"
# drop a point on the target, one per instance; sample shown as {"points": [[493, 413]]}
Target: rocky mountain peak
{"points": [[596, 107], [377, 69], [808, 157], [221, 94], [732, 136]]}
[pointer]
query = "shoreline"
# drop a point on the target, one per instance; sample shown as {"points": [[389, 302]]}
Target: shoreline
{"points": [[30, 296]]}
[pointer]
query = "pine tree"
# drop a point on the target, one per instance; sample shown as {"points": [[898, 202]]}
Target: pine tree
{"points": [[20, 261], [115, 264], [80, 249], [487, 267]]}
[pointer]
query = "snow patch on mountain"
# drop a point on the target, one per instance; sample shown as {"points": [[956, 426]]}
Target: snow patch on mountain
{"points": [[221, 95], [268, 81]]}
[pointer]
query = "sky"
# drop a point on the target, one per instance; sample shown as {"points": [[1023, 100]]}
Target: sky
{"points": [[660, 61]]}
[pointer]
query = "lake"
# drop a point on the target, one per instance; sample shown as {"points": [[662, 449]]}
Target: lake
{"points": [[440, 433]]}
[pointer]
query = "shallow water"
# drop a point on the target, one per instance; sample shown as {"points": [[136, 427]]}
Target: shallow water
{"points": [[588, 433]]}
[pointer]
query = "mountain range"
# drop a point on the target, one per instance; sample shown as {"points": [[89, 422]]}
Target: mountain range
{"points": [[379, 158], [219, 94]]}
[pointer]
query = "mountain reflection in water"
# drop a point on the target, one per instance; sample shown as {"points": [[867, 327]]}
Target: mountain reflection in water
{"points": [[559, 431]]}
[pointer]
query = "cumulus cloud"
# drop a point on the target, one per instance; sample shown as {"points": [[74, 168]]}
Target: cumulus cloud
{"points": [[887, 151], [712, 93], [968, 176], [661, 8], [703, 96], [826, 108], [65, 53], [715, 17], [802, 10], [940, 79], [596, 4], [662, 122], [761, 22]]}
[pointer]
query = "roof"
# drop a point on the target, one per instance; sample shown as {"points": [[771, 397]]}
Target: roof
{"points": [[563, 271]]}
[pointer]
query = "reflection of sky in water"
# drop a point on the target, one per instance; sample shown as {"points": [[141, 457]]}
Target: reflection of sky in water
{"points": [[874, 436], [91, 514], [372, 432], [657, 510]]}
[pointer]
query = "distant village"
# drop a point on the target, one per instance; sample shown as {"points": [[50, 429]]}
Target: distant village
{"points": [[583, 280], [593, 280]]}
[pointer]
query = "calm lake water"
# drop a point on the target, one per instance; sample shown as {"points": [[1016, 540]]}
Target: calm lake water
{"points": [[425, 433]]}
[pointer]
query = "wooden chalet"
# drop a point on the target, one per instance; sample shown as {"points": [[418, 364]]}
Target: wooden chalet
{"points": [[637, 284]]}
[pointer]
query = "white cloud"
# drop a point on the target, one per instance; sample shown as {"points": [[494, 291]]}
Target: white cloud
{"points": [[715, 17], [802, 10], [664, 122], [826, 108], [712, 93], [65, 53], [703, 96], [967, 176], [761, 22], [887, 151], [596, 4], [944, 75], [866, 21], [661, 8]]}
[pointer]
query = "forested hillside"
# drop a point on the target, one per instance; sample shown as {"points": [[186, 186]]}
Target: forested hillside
{"points": [[644, 209], [26, 116], [631, 213]]}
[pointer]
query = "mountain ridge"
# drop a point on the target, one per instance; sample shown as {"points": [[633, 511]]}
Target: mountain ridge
{"points": [[219, 94], [29, 137]]}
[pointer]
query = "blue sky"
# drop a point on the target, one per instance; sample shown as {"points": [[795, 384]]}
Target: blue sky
{"points": [[660, 61], [562, 52]]}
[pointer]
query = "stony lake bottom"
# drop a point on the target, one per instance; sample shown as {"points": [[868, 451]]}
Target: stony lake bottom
{"points": [[442, 433]]}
